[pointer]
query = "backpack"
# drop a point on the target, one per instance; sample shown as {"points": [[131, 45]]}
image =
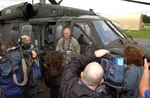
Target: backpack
{"points": [[10, 69], [14, 74], [114, 72]]}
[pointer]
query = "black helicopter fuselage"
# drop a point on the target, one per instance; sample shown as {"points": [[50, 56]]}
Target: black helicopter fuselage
{"points": [[45, 24]]}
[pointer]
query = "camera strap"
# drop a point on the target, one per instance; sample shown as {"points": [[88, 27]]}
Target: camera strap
{"points": [[24, 69], [69, 44]]}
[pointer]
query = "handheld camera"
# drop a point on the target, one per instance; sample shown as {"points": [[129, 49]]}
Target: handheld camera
{"points": [[111, 59], [114, 70], [147, 56]]}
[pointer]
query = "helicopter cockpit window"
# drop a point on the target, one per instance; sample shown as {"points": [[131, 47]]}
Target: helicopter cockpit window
{"points": [[15, 33], [82, 32], [26, 30], [112, 25], [105, 33]]}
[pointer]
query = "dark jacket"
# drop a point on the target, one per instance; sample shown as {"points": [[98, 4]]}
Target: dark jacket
{"points": [[133, 76], [72, 86], [54, 83]]}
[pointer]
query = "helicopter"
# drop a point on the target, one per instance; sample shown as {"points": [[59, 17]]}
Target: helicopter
{"points": [[140, 2], [44, 23]]}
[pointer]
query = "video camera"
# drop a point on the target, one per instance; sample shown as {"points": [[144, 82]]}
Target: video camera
{"points": [[114, 74], [26, 53], [114, 70], [116, 59]]}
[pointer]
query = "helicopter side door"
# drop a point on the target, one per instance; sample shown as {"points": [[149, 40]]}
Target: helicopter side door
{"points": [[59, 29]]}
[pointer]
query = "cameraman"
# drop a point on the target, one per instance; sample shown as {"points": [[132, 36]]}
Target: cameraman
{"points": [[73, 86], [34, 71], [27, 46], [144, 88]]}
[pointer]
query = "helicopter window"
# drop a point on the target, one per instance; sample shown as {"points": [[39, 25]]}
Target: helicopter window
{"points": [[15, 33], [49, 36], [88, 30], [105, 33], [82, 32], [59, 31], [26, 30], [2, 37]]}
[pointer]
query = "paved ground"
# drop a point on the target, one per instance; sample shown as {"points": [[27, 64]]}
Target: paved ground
{"points": [[144, 42], [46, 94]]}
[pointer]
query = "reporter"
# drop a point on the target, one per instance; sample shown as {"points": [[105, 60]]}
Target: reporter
{"points": [[72, 85], [34, 74], [144, 88], [134, 59], [53, 72]]}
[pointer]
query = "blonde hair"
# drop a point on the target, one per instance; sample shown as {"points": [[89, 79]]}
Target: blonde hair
{"points": [[24, 37]]}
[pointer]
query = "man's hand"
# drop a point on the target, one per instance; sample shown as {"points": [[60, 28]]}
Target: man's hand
{"points": [[144, 82], [101, 52], [146, 64]]}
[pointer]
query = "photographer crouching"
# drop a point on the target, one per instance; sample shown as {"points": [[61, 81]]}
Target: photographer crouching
{"points": [[73, 86]]}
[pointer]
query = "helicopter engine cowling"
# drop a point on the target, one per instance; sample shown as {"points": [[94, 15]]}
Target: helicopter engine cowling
{"points": [[22, 10]]}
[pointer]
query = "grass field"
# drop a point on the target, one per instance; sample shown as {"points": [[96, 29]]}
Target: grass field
{"points": [[144, 34]]}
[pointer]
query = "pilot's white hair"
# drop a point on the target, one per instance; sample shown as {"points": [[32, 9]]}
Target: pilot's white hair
{"points": [[25, 36]]}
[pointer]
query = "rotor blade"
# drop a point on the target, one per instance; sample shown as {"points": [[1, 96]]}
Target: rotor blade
{"points": [[146, 3]]}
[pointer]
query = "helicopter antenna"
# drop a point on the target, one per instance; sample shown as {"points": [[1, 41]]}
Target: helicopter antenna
{"points": [[54, 2], [92, 11], [146, 3], [60, 2]]}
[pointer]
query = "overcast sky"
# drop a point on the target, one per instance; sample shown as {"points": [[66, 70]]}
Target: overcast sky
{"points": [[102, 7]]}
